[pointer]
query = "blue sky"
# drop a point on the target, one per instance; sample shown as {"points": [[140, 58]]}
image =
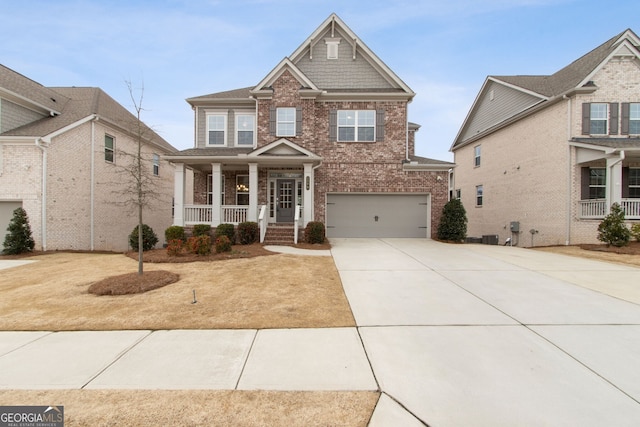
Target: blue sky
{"points": [[178, 49]]}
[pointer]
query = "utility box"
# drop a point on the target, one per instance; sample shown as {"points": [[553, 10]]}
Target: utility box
{"points": [[515, 226]]}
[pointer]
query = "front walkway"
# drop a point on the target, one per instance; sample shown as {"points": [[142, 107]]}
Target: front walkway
{"points": [[451, 334]]}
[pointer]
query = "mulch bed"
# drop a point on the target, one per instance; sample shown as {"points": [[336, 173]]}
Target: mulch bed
{"points": [[133, 283]]}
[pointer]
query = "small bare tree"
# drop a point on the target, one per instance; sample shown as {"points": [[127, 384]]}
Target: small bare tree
{"points": [[139, 187]]}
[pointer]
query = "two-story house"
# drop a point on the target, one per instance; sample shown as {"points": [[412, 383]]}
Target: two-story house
{"points": [[541, 159], [64, 157], [323, 137]]}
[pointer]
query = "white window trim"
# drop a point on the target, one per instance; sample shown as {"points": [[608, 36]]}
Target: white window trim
{"points": [[225, 129], [278, 122], [355, 126], [479, 195], [210, 189], [241, 192], [237, 128], [477, 156], [156, 164], [634, 119], [113, 149], [606, 118]]}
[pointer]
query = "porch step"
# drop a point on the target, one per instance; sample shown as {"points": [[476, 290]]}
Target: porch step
{"points": [[280, 234]]}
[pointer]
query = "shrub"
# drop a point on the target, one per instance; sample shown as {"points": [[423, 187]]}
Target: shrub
{"points": [[199, 245], [202, 230], [19, 238], [226, 230], [453, 222], [174, 247], [175, 232], [612, 229], [223, 244], [149, 238], [314, 232], [248, 232], [635, 231]]}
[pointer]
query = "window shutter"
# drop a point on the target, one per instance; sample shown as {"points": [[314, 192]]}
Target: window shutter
{"points": [[299, 121], [625, 183], [380, 126], [586, 118], [272, 121], [584, 184], [625, 119], [613, 118], [333, 125]]}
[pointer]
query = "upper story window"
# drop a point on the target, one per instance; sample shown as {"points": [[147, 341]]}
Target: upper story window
{"points": [[286, 121], [634, 118], [109, 148], [357, 125], [156, 165], [245, 129], [476, 156], [598, 119], [216, 129]]}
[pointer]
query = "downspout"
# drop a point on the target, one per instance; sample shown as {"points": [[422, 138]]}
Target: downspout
{"points": [[40, 143], [567, 241], [93, 182]]}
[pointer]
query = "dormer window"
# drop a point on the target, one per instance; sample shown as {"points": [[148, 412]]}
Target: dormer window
{"points": [[332, 48]]}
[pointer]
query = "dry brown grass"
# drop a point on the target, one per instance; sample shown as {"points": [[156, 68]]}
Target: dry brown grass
{"points": [[629, 255], [276, 291], [202, 407]]}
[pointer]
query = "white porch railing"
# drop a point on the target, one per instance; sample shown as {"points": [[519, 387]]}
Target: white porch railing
{"points": [[631, 208], [203, 214], [597, 208], [262, 223], [296, 220]]}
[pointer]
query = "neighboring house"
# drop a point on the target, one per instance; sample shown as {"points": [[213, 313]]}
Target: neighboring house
{"points": [[63, 158], [323, 137], [549, 155]]}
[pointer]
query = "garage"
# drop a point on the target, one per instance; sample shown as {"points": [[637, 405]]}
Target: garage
{"points": [[6, 214], [378, 215]]}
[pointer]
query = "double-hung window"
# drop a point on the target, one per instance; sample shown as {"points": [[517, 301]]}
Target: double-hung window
{"points": [[242, 189], [598, 119], [634, 118], [479, 195], [597, 183], [216, 129], [156, 165], [476, 155], [109, 148], [245, 129], [634, 183], [357, 125], [286, 121]]}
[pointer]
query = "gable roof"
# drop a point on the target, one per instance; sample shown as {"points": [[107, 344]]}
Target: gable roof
{"points": [[324, 78], [546, 89], [73, 104], [28, 93]]}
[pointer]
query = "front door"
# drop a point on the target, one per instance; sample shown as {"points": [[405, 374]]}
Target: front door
{"points": [[285, 200]]}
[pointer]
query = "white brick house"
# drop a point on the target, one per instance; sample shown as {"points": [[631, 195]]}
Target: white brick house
{"points": [[62, 155], [550, 154], [323, 137]]}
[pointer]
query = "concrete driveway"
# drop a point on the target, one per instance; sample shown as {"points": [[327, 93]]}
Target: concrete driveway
{"points": [[461, 335]]}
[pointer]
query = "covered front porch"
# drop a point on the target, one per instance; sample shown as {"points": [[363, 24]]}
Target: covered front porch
{"points": [[609, 172], [273, 184]]}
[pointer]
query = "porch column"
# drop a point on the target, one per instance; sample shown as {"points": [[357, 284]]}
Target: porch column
{"points": [[307, 194], [614, 181], [178, 194], [252, 215], [216, 193]]}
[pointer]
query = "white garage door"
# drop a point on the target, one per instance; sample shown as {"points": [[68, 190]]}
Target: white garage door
{"points": [[378, 215], [6, 213]]}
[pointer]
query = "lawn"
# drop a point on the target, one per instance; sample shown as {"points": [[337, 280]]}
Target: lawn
{"points": [[251, 290]]}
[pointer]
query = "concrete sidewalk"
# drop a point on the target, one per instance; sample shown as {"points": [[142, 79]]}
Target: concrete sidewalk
{"points": [[450, 334]]}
